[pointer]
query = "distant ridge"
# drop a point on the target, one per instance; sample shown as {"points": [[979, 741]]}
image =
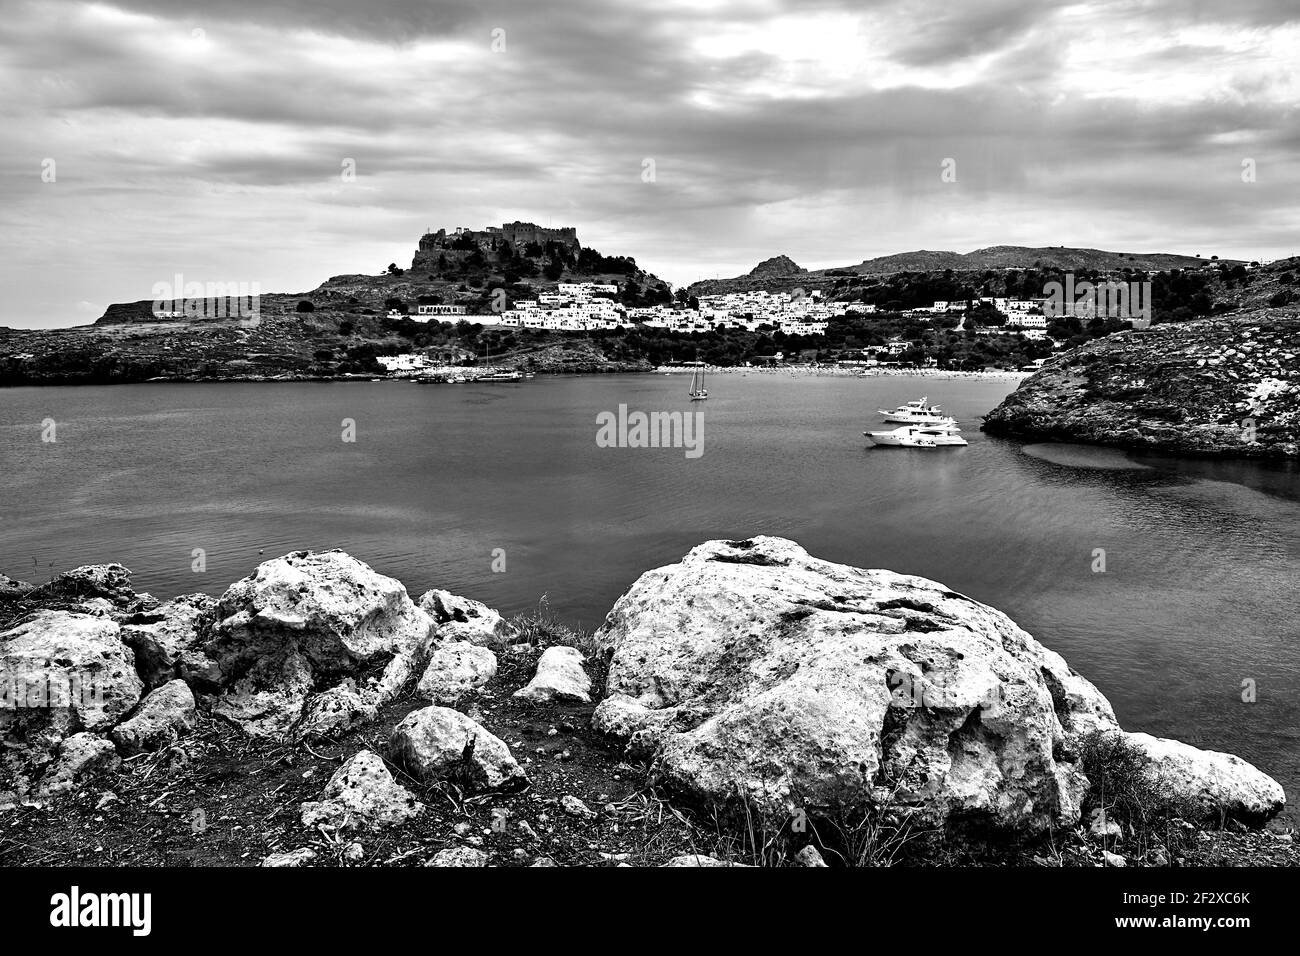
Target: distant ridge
{"points": [[772, 272], [1024, 257]]}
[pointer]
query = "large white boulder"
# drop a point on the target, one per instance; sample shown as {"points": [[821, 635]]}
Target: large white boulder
{"points": [[306, 620], [64, 672], [762, 678], [759, 675], [436, 742]]}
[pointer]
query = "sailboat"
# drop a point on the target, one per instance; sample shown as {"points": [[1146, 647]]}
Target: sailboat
{"points": [[698, 392]]}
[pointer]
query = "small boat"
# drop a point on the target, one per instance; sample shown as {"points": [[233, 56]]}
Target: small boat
{"points": [[918, 412], [698, 392], [944, 433], [501, 377]]}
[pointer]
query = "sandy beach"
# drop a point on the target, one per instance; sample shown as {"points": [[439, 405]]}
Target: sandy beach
{"points": [[804, 371]]}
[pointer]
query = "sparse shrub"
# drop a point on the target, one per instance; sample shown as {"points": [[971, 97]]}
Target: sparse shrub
{"points": [[1127, 787]]}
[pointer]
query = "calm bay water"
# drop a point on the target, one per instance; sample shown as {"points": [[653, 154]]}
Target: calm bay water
{"points": [[1201, 591]]}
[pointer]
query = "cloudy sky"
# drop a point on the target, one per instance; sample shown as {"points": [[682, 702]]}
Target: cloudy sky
{"points": [[210, 138]]}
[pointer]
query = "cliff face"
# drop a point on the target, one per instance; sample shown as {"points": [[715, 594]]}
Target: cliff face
{"points": [[1224, 386]]}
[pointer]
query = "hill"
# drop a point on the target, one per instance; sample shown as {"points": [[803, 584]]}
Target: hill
{"points": [[995, 258], [337, 329]]}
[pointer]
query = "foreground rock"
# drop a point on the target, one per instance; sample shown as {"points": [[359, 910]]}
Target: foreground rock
{"points": [[163, 716], [459, 856], [1223, 785], [73, 672], [291, 858], [454, 669], [166, 641], [439, 742], [457, 618], [362, 794], [81, 758], [559, 676], [765, 680], [307, 620], [1223, 386]]}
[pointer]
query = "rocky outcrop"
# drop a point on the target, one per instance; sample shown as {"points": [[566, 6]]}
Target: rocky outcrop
{"points": [[775, 267], [309, 621], [559, 677], [765, 680], [109, 581], [362, 794], [1225, 387], [437, 742]]}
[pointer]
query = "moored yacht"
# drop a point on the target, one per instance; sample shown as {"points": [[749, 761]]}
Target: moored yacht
{"points": [[920, 436], [912, 413]]}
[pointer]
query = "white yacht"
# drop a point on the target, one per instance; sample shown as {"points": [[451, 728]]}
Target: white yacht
{"points": [[914, 413], [939, 434]]}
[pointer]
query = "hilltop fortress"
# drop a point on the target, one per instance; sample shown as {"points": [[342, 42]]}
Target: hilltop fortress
{"points": [[520, 234], [516, 233]]}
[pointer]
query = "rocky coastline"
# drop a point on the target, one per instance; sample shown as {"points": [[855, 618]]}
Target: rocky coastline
{"points": [[748, 705], [1220, 387]]}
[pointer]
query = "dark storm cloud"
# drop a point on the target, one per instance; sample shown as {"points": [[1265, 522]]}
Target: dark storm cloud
{"points": [[814, 129]]}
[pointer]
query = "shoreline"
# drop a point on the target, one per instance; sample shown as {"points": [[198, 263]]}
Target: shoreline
{"points": [[813, 371]]}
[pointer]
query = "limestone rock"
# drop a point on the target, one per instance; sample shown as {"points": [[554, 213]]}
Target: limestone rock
{"points": [[765, 681], [1222, 784], [786, 682], [74, 673], [163, 716], [454, 669], [299, 857], [165, 636], [576, 808], [437, 742], [1100, 827], [809, 856], [459, 856], [457, 618], [334, 711], [361, 794], [109, 581], [699, 859], [81, 757], [559, 676], [311, 619]]}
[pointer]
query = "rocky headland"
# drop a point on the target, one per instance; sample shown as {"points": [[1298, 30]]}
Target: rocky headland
{"points": [[1227, 387], [750, 704]]}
